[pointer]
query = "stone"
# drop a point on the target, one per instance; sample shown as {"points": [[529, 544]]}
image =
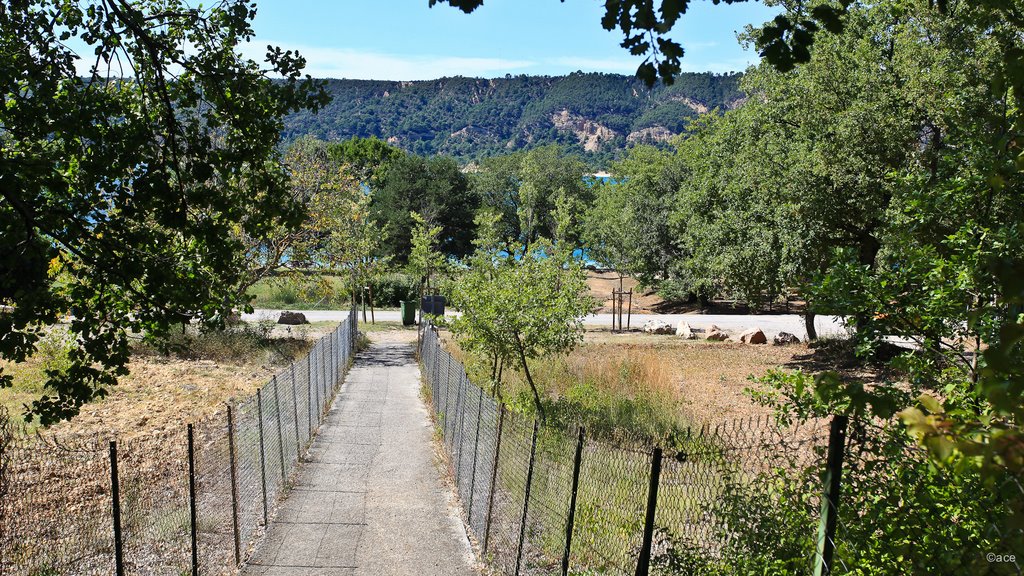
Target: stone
{"points": [[785, 338], [657, 327], [753, 336], [715, 334], [292, 318], [683, 330]]}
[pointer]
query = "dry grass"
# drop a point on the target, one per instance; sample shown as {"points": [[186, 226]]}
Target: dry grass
{"points": [[710, 377], [165, 391], [643, 384]]}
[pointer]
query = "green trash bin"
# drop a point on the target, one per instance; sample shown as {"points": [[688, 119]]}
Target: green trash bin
{"points": [[408, 312]]}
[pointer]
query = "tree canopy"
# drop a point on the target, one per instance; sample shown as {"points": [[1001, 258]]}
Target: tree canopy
{"points": [[126, 184]]}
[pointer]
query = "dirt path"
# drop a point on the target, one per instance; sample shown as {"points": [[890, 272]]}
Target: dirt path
{"points": [[370, 500]]}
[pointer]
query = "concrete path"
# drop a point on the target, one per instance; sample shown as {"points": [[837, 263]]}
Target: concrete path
{"points": [[370, 499]]}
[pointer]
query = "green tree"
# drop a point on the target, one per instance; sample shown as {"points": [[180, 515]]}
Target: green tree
{"points": [[130, 182], [437, 190], [520, 306], [526, 188], [366, 158], [627, 225]]}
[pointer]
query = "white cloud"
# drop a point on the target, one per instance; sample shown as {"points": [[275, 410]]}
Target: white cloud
{"points": [[357, 64]]}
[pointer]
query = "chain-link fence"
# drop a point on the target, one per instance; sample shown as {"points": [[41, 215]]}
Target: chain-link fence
{"points": [[745, 497], [190, 500]]}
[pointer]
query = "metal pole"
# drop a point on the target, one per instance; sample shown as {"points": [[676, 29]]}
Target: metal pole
{"points": [[643, 563], [460, 434], [192, 501], [314, 384], [115, 496], [476, 449], [263, 454], [572, 500], [494, 475], [830, 498], [234, 486], [309, 399], [295, 413], [526, 500], [280, 429]]}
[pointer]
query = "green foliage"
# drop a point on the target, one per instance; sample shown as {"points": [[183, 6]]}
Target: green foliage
{"points": [[784, 42], [527, 189], [627, 225], [434, 188], [472, 119], [521, 305], [130, 183]]}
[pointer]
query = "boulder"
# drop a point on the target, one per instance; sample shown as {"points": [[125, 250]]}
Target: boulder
{"points": [[683, 330], [753, 336], [657, 327], [292, 318], [784, 338], [715, 334]]}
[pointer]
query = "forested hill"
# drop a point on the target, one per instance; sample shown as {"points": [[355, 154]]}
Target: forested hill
{"points": [[471, 118]]}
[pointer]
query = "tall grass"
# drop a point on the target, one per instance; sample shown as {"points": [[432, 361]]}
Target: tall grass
{"points": [[611, 389]]}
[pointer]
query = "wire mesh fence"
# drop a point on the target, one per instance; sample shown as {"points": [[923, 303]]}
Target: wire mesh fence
{"points": [[191, 500], [829, 496]]}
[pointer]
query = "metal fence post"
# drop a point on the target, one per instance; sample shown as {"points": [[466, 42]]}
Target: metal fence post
{"points": [[320, 379], [476, 450], [572, 500], [457, 421], [643, 563], [494, 475], [193, 529], [830, 497], [315, 384], [295, 413], [280, 429], [262, 452], [234, 486], [526, 500], [309, 399], [115, 500]]}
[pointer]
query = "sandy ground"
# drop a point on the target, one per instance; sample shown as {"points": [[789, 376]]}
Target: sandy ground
{"points": [[603, 283]]}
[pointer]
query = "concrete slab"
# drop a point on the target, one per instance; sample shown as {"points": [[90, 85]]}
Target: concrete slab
{"points": [[368, 498]]}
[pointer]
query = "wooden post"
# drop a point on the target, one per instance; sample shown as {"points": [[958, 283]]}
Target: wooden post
{"points": [[629, 311]]}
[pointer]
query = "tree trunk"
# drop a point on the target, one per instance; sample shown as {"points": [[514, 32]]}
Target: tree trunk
{"points": [[812, 333], [529, 378]]}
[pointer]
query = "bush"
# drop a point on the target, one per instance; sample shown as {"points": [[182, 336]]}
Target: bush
{"points": [[234, 344]]}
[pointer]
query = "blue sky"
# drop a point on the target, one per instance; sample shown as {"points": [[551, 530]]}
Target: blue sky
{"points": [[407, 40]]}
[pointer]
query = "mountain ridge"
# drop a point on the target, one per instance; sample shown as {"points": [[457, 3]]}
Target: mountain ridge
{"points": [[597, 115]]}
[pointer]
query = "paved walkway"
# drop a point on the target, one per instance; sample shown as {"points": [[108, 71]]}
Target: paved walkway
{"points": [[370, 500], [771, 324]]}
